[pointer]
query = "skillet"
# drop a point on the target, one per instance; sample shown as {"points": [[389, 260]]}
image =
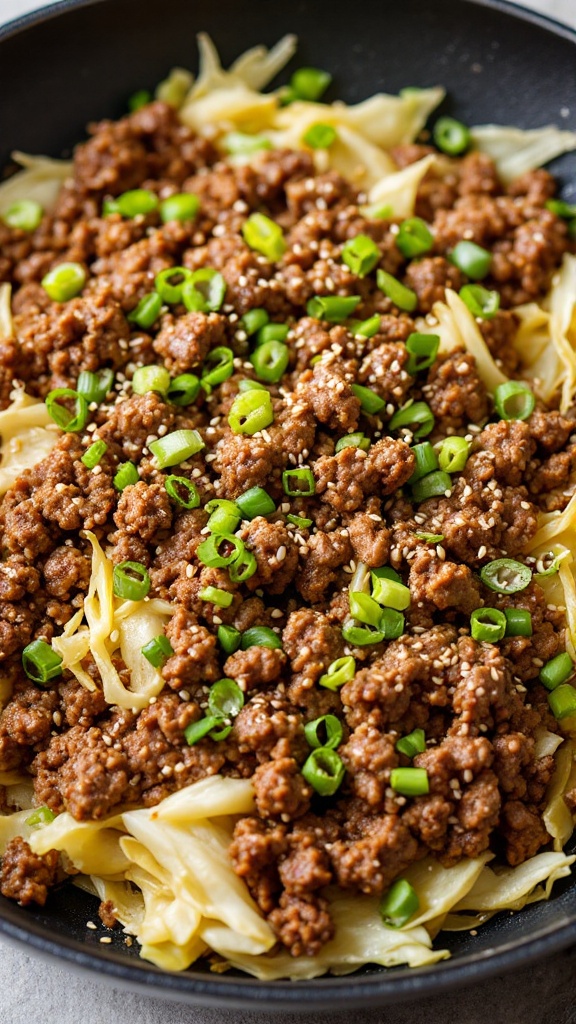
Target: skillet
{"points": [[78, 61]]}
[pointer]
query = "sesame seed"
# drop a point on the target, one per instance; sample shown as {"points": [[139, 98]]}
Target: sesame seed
{"points": [[105, 940]]}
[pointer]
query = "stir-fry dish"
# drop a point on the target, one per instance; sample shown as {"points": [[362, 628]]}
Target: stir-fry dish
{"points": [[287, 605]]}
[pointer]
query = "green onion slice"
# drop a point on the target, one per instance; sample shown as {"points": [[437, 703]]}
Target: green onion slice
{"points": [[370, 402], [324, 771], [220, 549], [518, 622], [390, 594], [182, 491], [514, 400], [183, 390], [242, 144], [487, 625], [320, 136], [243, 567], [40, 662], [218, 367], [260, 636], [422, 351], [41, 816], [325, 731], [298, 482], [94, 453], [136, 203], [399, 904], [182, 207], [506, 575], [253, 320], [70, 422], [365, 328], [251, 412], [225, 698], [434, 485], [361, 254], [147, 311], [338, 672], [416, 414], [301, 521], [451, 136], [270, 360], [401, 296], [426, 461], [309, 83], [131, 581], [229, 638], [64, 282], [169, 283], [412, 744], [556, 671], [410, 781], [158, 650], [263, 235], [562, 702], [255, 502], [205, 291], [453, 454], [471, 259], [176, 447], [357, 440], [225, 515], [335, 309], [199, 730], [414, 237], [481, 302], [125, 476], [150, 378], [215, 595], [25, 215]]}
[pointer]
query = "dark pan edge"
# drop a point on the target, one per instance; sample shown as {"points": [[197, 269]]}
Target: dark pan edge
{"points": [[509, 7], [297, 996], [364, 991]]}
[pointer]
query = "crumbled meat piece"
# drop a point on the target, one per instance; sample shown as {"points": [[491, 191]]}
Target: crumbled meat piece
{"points": [[280, 790], [27, 877]]}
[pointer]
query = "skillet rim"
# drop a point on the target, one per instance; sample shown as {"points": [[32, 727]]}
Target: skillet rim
{"points": [[384, 986]]}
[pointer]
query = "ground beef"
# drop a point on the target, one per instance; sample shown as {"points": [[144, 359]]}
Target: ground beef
{"points": [[25, 876], [480, 705]]}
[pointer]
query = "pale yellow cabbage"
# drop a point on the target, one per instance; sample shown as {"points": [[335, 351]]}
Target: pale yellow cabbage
{"points": [[41, 180], [6, 326], [516, 151], [28, 435], [112, 624]]}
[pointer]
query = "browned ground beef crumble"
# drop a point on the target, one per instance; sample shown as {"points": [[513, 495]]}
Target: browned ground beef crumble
{"points": [[480, 704]]}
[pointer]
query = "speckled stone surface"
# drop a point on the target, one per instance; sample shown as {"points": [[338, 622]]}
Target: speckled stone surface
{"points": [[32, 992]]}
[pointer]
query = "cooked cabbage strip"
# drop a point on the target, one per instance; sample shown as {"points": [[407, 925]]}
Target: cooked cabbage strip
{"points": [[112, 624], [40, 180], [457, 328], [6, 326], [518, 150], [28, 435], [399, 190], [512, 888], [556, 816]]}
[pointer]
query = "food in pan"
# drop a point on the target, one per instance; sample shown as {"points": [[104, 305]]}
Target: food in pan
{"points": [[288, 611]]}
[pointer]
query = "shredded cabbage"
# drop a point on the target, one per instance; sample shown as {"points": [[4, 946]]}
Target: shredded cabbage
{"points": [[28, 435], [41, 180], [112, 624], [516, 151]]}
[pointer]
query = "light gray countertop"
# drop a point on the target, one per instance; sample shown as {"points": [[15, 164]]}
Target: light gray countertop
{"points": [[33, 992]]}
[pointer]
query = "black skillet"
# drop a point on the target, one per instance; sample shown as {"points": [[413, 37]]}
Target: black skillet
{"points": [[79, 61]]}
